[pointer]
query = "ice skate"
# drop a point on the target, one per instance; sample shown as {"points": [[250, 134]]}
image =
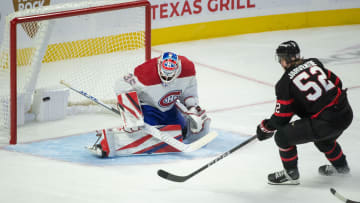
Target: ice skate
{"points": [[97, 150], [284, 177], [329, 170]]}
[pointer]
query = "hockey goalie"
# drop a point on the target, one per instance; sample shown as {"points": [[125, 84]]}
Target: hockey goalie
{"points": [[158, 103]]}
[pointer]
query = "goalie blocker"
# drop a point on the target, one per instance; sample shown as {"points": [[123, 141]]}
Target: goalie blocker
{"points": [[132, 139]]}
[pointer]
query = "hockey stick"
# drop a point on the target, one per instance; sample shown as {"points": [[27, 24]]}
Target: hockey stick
{"points": [[151, 129], [340, 197], [90, 97], [176, 178]]}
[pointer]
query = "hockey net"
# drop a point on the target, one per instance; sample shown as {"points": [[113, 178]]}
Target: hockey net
{"points": [[87, 44]]}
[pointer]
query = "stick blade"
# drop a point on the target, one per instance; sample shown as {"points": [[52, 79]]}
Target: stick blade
{"points": [[340, 197], [333, 191], [168, 176], [201, 142]]}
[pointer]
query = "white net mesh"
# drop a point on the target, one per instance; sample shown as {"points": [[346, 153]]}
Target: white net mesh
{"points": [[88, 51]]}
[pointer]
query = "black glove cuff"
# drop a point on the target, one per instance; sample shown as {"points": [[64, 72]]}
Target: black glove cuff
{"points": [[265, 127]]}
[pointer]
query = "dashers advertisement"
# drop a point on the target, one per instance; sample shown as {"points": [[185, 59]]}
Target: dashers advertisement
{"points": [[170, 13]]}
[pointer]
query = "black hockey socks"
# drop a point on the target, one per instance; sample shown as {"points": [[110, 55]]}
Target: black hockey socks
{"points": [[290, 174], [333, 153], [289, 157]]}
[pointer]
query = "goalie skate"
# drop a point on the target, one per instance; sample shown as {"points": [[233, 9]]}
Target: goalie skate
{"points": [[97, 150], [119, 142]]}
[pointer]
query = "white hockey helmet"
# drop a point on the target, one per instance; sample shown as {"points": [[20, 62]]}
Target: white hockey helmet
{"points": [[169, 67]]}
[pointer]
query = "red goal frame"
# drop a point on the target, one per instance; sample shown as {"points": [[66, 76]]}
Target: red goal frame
{"points": [[62, 14]]}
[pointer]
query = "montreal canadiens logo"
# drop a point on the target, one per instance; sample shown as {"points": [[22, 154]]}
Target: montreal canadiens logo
{"points": [[169, 98], [169, 65]]}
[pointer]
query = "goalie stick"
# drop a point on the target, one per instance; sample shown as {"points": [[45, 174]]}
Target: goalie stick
{"points": [[176, 178], [153, 130], [340, 197]]}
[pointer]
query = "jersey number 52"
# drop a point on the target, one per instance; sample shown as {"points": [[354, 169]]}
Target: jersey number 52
{"points": [[303, 84]]}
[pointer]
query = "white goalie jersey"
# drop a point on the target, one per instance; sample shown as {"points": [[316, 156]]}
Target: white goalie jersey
{"points": [[146, 82]]}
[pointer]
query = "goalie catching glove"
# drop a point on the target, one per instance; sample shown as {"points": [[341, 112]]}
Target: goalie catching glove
{"points": [[264, 130], [197, 118]]}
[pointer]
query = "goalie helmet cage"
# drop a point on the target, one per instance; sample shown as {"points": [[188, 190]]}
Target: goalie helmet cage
{"points": [[129, 47]]}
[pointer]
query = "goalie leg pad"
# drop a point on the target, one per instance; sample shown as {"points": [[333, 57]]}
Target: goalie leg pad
{"points": [[141, 142], [118, 142], [129, 106]]}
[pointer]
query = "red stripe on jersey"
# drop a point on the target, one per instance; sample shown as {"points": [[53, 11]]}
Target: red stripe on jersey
{"points": [[285, 102], [289, 159], [334, 101], [329, 74], [147, 72], [337, 81], [284, 114]]}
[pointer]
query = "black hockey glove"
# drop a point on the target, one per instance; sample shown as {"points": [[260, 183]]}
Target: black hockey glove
{"points": [[264, 131]]}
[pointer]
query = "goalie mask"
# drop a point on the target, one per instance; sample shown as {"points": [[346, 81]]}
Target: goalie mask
{"points": [[289, 51], [169, 67]]}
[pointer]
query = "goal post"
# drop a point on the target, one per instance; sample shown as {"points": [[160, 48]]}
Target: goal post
{"points": [[106, 49]]}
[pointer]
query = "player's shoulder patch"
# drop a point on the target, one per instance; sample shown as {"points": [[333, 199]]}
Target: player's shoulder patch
{"points": [[187, 67], [147, 72]]}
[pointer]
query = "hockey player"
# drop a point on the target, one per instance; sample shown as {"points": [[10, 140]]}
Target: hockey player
{"points": [[163, 85], [313, 93]]}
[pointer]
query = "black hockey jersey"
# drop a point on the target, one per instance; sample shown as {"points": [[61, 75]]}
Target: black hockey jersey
{"points": [[305, 89]]}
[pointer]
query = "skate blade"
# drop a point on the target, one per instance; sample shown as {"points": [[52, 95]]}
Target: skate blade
{"points": [[293, 182], [94, 150]]}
